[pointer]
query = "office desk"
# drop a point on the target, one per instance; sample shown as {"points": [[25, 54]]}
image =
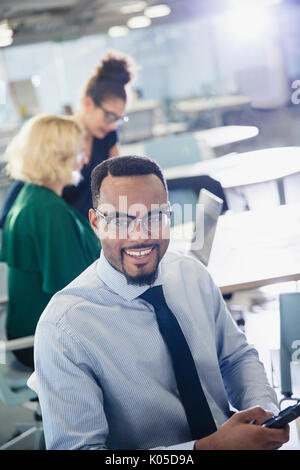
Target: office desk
{"points": [[226, 135], [251, 249], [198, 105], [215, 105], [244, 169], [260, 166], [213, 138], [208, 167]]}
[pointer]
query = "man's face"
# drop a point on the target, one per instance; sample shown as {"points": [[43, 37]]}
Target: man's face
{"points": [[135, 253]]}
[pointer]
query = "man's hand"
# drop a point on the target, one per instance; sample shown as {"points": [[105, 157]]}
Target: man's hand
{"points": [[239, 434]]}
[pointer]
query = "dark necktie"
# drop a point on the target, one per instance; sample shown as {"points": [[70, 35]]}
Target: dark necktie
{"points": [[191, 393]]}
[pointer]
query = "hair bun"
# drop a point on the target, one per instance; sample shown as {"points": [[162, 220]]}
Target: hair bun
{"points": [[116, 66]]}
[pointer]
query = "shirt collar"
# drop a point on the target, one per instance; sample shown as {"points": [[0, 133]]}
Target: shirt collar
{"points": [[118, 282]]}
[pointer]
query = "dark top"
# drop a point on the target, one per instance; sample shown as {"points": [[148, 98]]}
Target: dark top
{"points": [[78, 196], [46, 243]]}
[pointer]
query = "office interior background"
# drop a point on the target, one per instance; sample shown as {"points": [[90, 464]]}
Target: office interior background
{"points": [[224, 74]]}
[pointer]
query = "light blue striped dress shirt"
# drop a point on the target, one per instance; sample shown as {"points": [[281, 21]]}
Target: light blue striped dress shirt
{"points": [[104, 374]]}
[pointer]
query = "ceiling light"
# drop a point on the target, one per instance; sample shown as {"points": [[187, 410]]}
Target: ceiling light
{"points": [[138, 22], [157, 10], [118, 31], [6, 34], [133, 8]]}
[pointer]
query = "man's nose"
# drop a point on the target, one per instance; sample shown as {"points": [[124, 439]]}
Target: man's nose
{"points": [[137, 231]]}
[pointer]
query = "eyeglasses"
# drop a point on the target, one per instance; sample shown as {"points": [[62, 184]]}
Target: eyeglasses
{"points": [[151, 223], [111, 117]]}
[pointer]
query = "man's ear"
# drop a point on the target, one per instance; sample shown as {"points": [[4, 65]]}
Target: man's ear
{"points": [[94, 221]]}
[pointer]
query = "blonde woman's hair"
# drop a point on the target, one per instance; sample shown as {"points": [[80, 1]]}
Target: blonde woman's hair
{"points": [[44, 149]]}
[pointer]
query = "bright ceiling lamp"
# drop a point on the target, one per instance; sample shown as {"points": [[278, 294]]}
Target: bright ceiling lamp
{"points": [[118, 31], [134, 7], [138, 22], [272, 2], [157, 11], [249, 22], [6, 34]]}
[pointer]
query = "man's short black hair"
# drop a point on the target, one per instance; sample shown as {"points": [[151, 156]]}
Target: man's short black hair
{"points": [[130, 165]]}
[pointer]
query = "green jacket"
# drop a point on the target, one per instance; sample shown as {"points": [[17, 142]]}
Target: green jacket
{"points": [[46, 244]]}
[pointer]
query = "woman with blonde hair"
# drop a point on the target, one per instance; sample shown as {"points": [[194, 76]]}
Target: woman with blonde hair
{"points": [[102, 109], [46, 243]]}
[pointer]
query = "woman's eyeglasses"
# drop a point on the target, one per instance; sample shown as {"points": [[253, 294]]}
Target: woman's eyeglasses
{"points": [[111, 117]]}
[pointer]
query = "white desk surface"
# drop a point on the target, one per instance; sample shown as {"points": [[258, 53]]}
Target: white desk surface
{"points": [[225, 135], [235, 170], [143, 105], [251, 249], [207, 167], [198, 105]]}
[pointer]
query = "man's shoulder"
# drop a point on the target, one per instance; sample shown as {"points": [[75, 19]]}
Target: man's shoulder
{"points": [[176, 260], [81, 290], [178, 268]]}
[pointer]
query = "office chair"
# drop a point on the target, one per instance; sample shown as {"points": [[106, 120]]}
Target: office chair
{"points": [[196, 184], [289, 308], [183, 204], [177, 149], [14, 392]]}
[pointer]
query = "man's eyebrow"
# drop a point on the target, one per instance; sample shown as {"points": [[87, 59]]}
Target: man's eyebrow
{"points": [[123, 214], [117, 214]]}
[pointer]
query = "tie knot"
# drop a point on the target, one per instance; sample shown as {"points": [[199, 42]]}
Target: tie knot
{"points": [[154, 296]]}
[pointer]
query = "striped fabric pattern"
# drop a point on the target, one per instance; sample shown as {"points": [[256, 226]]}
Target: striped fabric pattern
{"points": [[104, 374]]}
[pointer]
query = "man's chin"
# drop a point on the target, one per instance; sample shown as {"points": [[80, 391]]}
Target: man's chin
{"points": [[142, 273], [141, 279]]}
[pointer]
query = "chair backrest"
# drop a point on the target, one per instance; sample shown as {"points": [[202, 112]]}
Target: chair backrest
{"points": [[183, 204], [174, 150], [13, 382], [289, 305]]}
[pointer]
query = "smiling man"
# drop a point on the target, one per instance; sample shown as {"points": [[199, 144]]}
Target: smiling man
{"points": [[139, 351], [129, 212]]}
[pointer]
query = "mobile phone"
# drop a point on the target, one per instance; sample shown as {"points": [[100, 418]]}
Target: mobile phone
{"points": [[285, 416]]}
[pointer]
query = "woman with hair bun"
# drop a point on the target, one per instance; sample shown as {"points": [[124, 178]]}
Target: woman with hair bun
{"points": [[102, 109]]}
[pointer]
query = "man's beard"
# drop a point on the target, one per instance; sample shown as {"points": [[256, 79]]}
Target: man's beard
{"points": [[143, 279]]}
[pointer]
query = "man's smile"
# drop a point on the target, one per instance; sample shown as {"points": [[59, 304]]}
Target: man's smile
{"points": [[142, 254]]}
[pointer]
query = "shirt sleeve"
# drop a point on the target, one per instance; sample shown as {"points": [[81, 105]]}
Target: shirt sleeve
{"points": [[243, 374], [65, 247], [72, 404], [70, 397]]}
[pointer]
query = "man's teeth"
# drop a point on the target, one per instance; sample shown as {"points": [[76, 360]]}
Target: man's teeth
{"points": [[138, 253]]}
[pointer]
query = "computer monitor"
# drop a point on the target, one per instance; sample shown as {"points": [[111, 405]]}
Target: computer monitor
{"points": [[208, 210]]}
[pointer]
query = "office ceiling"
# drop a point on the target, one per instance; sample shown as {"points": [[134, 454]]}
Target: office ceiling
{"points": [[57, 20]]}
